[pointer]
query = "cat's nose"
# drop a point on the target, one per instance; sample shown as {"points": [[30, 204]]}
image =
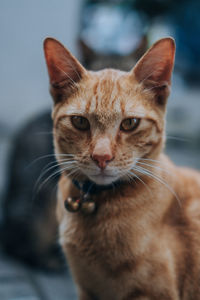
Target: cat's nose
{"points": [[102, 160], [102, 152]]}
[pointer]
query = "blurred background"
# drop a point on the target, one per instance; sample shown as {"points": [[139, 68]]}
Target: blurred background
{"points": [[101, 34]]}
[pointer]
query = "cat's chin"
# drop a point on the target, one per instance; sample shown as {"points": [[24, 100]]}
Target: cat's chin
{"points": [[103, 179]]}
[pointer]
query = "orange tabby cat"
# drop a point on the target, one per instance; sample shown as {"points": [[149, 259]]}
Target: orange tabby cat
{"points": [[136, 230]]}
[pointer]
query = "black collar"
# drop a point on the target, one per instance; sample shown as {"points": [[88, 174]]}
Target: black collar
{"points": [[90, 187]]}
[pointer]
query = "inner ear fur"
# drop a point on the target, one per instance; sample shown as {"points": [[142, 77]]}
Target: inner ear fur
{"points": [[155, 68], [64, 69]]}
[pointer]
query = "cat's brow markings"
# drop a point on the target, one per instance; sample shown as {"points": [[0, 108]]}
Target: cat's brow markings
{"points": [[105, 91], [122, 103], [97, 101], [96, 95], [88, 105], [89, 102], [122, 106], [114, 101], [114, 95], [95, 88]]}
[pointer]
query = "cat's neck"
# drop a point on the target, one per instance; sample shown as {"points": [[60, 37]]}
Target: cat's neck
{"points": [[87, 186], [137, 195]]}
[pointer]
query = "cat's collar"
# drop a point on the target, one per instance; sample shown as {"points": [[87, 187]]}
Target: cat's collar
{"points": [[85, 202], [90, 187]]}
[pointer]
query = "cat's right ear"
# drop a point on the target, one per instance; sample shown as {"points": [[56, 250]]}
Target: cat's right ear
{"points": [[64, 69], [155, 68]]}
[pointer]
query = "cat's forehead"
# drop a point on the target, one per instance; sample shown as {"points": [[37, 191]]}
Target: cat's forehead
{"points": [[108, 95], [104, 94], [108, 91]]}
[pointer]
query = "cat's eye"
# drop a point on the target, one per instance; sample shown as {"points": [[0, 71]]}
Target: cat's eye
{"points": [[80, 123], [129, 124]]}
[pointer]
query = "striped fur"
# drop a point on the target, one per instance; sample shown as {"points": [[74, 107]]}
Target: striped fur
{"points": [[143, 242]]}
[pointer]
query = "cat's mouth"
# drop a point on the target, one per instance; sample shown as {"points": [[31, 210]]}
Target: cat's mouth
{"points": [[99, 176], [103, 178]]}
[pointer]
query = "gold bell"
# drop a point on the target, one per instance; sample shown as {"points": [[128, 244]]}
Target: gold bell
{"points": [[72, 204], [88, 207]]}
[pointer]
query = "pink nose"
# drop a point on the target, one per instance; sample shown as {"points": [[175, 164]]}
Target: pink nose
{"points": [[102, 152], [102, 160]]}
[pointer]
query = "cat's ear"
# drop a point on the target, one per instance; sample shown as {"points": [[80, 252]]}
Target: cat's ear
{"points": [[155, 68], [64, 69]]}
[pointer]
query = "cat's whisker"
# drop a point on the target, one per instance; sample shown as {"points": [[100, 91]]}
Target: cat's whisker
{"points": [[62, 165], [129, 177], [123, 174], [150, 160], [138, 177], [48, 156], [58, 172], [156, 164], [76, 175], [64, 154], [53, 164], [58, 164], [144, 171], [39, 158], [153, 166], [176, 138], [73, 171]]}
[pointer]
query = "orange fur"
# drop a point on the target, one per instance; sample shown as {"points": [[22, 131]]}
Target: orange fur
{"points": [[143, 241]]}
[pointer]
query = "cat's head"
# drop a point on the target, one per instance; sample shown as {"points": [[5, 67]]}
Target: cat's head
{"points": [[106, 121]]}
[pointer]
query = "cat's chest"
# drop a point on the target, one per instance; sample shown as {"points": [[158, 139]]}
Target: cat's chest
{"points": [[108, 257], [114, 243], [97, 237], [99, 254], [109, 236]]}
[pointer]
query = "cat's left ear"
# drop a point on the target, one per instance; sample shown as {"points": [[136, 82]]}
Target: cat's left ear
{"points": [[64, 69], [155, 68]]}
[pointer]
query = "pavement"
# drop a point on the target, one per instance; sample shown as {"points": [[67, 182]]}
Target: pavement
{"points": [[19, 282]]}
